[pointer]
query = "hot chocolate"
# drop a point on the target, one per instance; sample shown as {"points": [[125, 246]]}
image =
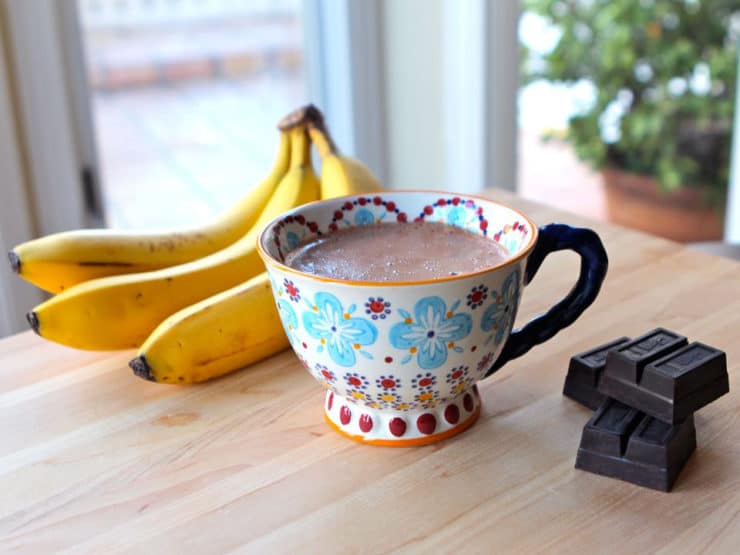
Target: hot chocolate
{"points": [[397, 252]]}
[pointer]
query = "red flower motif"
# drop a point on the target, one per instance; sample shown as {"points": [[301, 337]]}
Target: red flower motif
{"points": [[388, 383], [293, 292], [354, 379], [324, 372], [457, 375], [423, 381], [477, 296], [485, 362], [377, 307]]}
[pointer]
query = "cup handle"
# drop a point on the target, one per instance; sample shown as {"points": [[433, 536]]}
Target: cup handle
{"points": [[594, 263]]}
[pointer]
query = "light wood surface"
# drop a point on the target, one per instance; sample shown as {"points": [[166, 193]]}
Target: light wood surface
{"points": [[95, 459]]}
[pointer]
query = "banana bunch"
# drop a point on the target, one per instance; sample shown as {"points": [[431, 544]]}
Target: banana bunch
{"points": [[183, 297]]}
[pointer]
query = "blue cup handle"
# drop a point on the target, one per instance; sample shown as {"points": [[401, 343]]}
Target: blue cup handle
{"points": [[594, 263]]}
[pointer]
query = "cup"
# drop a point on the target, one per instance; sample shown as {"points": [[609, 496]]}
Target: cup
{"points": [[400, 360]]}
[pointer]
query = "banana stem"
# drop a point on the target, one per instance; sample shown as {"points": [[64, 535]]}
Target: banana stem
{"points": [[300, 116], [321, 138], [300, 147]]}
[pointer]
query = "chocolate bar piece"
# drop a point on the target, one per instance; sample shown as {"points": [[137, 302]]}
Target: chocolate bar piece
{"points": [[621, 442], [584, 372], [672, 387], [628, 361]]}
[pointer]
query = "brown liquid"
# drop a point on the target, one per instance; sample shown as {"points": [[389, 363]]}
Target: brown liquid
{"points": [[396, 252]]}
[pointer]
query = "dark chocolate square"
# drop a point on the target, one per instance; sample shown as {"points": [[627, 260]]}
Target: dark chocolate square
{"points": [[623, 443], [627, 361], [584, 372], [672, 387]]}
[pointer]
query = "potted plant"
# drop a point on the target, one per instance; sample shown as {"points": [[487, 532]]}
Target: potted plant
{"points": [[659, 129]]}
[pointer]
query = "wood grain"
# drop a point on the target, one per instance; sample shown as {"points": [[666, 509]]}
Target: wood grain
{"points": [[95, 459]]}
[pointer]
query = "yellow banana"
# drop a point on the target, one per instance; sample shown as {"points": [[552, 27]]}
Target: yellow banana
{"points": [[340, 175], [216, 336], [59, 261], [121, 311]]}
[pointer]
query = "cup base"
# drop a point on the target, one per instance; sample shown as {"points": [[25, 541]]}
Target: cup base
{"points": [[393, 428]]}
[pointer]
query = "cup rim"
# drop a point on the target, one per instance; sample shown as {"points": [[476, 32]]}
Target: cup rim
{"points": [[269, 259]]}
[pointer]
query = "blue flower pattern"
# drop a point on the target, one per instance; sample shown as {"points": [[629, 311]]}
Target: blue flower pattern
{"points": [[431, 332], [457, 216], [289, 318], [338, 330], [499, 316], [363, 216], [292, 240]]}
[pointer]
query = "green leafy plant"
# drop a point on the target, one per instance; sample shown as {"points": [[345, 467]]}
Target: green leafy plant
{"points": [[664, 73]]}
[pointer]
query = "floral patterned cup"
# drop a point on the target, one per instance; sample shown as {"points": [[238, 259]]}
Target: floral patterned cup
{"points": [[400, 360]]}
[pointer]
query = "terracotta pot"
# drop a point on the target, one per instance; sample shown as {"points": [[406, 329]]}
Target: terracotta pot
{"points": [[635, 201]]}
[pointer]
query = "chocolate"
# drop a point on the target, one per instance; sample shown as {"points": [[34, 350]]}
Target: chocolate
{"points": [[621, 442], [629, 360], [584, 372], [669, 388]]}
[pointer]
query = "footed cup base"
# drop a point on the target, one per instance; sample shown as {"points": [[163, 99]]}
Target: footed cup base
{"points": [[393, 428]]}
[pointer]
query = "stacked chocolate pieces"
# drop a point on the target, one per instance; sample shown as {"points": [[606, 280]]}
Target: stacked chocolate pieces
{"points": [[645, 392]]}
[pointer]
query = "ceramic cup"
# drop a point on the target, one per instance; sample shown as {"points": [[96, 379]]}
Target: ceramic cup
{"points": [[400, 360]]}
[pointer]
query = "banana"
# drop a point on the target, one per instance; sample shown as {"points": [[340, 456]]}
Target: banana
{"points": [[216, 336], [119, 312], [340, 175], [56, 262]]}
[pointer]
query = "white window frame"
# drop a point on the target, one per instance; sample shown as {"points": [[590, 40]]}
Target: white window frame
{"points": [[48, 130], [16, 221], [343, 43], [481, 68]]}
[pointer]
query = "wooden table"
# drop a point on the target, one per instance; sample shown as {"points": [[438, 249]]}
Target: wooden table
{"points": [[93, 458]]}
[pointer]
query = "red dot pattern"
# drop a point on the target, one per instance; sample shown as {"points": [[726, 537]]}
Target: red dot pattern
{"points": [[366, 423], [452, 414], [426, 423], [397, 426], [468, 402], [345, 415]]}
